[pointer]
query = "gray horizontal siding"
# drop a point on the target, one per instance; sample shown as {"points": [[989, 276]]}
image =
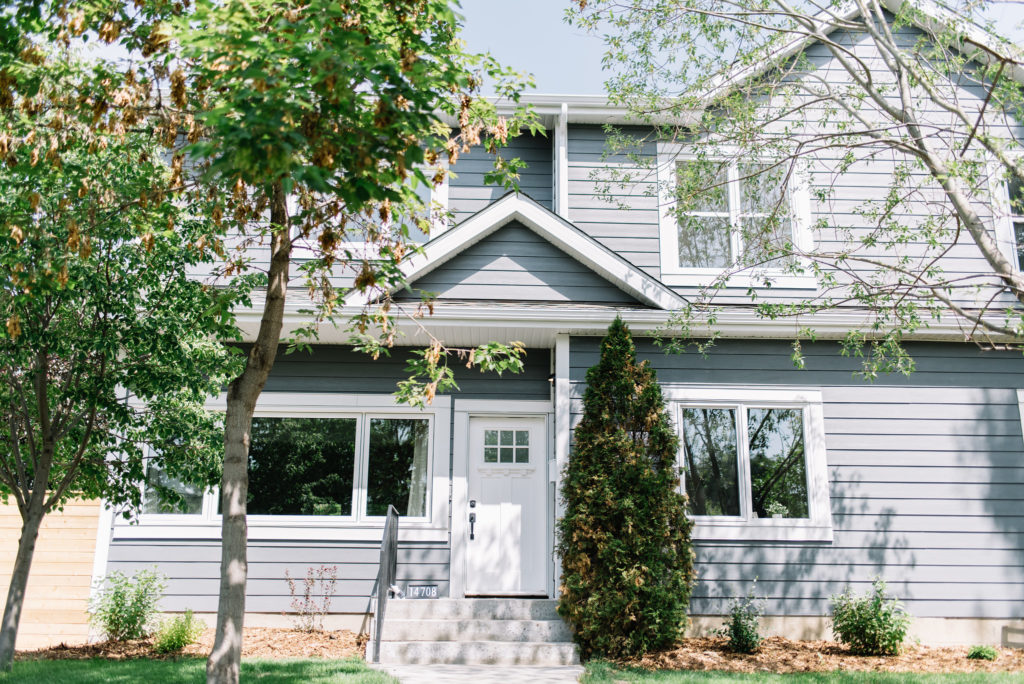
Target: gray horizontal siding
{"points": [[467, 192], [193, 567], [627, 225], [516, 264], [926, 476], [193, 570], [332, 368]]}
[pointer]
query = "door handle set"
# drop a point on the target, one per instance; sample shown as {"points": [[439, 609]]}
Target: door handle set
{"points": [[472, 520]]}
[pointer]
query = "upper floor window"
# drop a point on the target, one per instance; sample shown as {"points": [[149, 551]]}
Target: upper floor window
{"points": [[752, 463], [1016, 189], [716, 216]]}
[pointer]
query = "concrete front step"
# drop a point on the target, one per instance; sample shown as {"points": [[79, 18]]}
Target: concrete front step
{"points": [[471, 609], [477, 653], [475, 630]]}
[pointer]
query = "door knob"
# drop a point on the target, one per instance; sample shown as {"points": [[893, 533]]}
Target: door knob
{"points": [[472, 522]]}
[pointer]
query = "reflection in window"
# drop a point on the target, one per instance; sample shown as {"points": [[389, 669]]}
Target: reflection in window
{"points": [[301, 466], [156, 479], [1017, 217], [709, 445], [704, 226], [728, 214], [778, 474], [765, 224], [397, 466]]}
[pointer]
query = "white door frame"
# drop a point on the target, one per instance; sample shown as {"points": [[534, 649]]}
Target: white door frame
{"points": [[463, 410]]}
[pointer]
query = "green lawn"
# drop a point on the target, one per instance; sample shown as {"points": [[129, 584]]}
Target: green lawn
{"points": [[191, 671], [602, 673]]}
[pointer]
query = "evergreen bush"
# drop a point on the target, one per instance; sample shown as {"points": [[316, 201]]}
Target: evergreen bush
{"points": [[627, 560]]}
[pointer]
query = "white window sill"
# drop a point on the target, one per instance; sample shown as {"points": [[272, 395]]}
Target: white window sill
{"points": [[762, 530], [181, 527], [705, 278]]}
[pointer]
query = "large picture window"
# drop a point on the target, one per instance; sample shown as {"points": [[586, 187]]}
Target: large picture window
{"points": [[397, 473], [752, 463], [348, 467], [302, 466]]}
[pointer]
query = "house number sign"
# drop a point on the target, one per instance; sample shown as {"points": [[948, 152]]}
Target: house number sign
{"points": [[421, 591]]}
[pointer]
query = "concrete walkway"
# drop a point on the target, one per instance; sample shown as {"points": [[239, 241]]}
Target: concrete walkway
{"points": [[482, 674]]}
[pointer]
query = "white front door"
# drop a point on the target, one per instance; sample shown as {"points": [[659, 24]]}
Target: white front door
{"points": [[507, 545]]}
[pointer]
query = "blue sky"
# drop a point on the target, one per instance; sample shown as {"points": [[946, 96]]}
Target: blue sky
{"points": [[531, 36]]}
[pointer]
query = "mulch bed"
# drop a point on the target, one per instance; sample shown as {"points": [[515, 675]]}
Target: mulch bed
{"points": [[259, 642], [779, 655], [708, 653]]}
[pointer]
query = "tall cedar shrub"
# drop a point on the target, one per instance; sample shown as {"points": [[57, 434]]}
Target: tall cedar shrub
{"points": [[627, 560]]}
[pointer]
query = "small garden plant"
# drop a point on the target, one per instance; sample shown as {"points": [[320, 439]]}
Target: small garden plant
{"points": [[743, 628], [873, 624], [982, 653], [123, 607], [314, 603], [176, 633]]}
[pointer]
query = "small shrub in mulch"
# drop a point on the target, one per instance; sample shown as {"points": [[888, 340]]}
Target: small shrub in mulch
{"points": [[779, 655], [259, 642]]}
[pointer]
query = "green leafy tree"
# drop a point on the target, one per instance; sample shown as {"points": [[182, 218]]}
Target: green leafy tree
{"points": [[627, 561], [108, 348], [305, 128], [302, 127], [782, 99]]}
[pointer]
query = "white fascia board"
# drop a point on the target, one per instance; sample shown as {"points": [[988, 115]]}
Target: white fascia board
{"points": [[741, 324], [550, 227], [934, 18]]}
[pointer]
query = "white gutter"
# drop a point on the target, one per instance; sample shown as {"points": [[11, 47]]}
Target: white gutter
{"points": [[729, 324]]}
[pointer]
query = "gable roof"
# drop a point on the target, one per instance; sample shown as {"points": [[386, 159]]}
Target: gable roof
{"points": [[549, 226]]}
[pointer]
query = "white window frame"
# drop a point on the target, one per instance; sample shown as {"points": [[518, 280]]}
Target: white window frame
{"points": [[799, 197], [817, 527], [1002, 214], [359, 526]]}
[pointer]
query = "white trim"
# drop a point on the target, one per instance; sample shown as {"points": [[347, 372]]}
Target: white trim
{"points": [[1020, 408], [104, 532], [358, 526], [817, 527], [798, 193], [1002, 214], [460, 503], [551, 227], [562, 438], [561, 162], [505, 407], [485, 322], [463, 411]]}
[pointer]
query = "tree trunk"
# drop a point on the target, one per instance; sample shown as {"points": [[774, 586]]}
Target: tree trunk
{"points": [[225, 659], [19, 580]]}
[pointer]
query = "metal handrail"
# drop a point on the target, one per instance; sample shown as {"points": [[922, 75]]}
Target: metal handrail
{"points": [[386, 574]]}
